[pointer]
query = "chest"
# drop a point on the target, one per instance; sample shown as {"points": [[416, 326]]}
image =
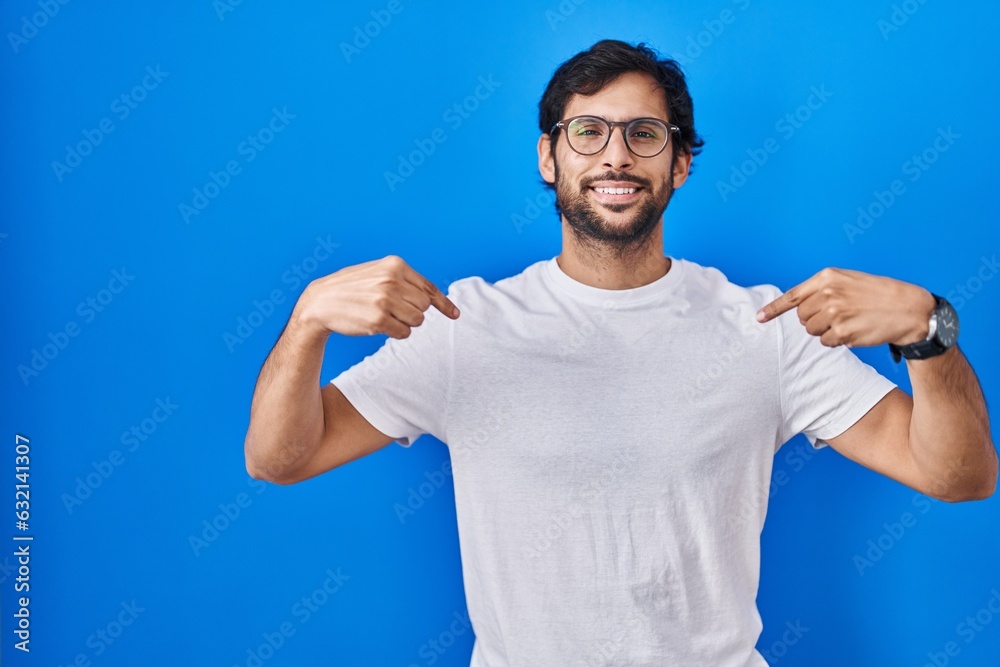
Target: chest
{"points": [[615, 402]]}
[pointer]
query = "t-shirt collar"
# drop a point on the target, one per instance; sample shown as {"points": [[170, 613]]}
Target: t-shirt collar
{"points": [[663, 288]]}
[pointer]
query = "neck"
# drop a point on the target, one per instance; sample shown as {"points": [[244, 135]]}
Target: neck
{"points": [[606, 267]]}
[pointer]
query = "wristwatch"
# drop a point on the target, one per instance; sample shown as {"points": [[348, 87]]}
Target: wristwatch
{"points": [[942, 334]]}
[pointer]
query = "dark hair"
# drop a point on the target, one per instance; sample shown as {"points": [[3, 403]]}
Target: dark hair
{"points": [[589, 71]]}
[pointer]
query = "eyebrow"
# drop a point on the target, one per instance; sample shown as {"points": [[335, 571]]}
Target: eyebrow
{"points": [[595, 115]]}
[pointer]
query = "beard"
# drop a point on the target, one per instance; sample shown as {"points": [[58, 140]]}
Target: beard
{"points": [[621, 238]]}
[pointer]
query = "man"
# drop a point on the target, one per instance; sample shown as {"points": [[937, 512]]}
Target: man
{"points": [[613, 413]]}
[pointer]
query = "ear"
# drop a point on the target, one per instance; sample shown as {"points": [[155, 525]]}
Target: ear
{"points": [[546, 161], [682, 166]]}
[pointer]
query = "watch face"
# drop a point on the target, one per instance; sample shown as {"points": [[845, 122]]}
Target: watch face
{"points": [[947, 324]]}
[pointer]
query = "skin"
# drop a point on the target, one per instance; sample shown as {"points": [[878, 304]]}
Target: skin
{"points": [[936, 441], [598, 262]]}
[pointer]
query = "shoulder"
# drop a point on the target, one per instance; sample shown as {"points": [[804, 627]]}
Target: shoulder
{"points": [[711, 287], [476, 290]]}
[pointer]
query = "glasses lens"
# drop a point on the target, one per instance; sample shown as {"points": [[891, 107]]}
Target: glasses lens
{"points": [[587, 135], [647, 136]]}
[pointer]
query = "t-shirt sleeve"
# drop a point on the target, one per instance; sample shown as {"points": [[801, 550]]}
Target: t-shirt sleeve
{"points": [[823, 390], [402, 388]]}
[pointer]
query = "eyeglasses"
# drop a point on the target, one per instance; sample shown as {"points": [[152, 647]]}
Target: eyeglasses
{"points": [[588, 135]]}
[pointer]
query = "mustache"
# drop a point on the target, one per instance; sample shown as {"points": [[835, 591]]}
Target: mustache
{"points": [[621, 178]]}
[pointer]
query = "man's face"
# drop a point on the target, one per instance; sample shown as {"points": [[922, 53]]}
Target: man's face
{"points": [[612, 220]]}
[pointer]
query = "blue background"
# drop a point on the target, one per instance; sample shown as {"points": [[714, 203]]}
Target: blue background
{"points": [[163, 336]]}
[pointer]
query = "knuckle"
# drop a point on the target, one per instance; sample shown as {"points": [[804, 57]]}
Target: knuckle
{"points": [[380, 320], [386, 280]]}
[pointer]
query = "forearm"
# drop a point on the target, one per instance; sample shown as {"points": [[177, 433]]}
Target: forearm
{"points": [[949, 428], [286, 413]]}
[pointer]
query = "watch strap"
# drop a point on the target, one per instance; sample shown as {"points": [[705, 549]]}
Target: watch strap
{"points": [[923, 349]]}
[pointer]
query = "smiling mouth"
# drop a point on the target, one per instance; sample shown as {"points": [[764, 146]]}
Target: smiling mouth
{"points": [[615, 191], [616, 194]]}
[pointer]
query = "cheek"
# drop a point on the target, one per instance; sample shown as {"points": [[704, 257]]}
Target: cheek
{"points": [[570, 174], [572, 163]]}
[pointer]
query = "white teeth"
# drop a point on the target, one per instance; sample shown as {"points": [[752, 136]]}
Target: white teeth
{"points": [[615, 191]]}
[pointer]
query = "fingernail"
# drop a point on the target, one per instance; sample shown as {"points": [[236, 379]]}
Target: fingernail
{"points": [[760, 315], [454, 311]]}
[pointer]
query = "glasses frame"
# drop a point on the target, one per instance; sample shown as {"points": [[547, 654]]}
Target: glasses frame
{"points": [[564, 123]]}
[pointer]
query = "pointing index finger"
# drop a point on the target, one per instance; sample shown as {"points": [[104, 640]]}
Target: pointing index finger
{"points": [[443, 303], [790, 299], [438, 299]]}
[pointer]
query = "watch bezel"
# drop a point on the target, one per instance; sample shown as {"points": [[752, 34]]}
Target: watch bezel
{"points": [[931, 346]]}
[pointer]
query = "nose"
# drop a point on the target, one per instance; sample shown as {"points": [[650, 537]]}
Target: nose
{"points": [[616, 153]]}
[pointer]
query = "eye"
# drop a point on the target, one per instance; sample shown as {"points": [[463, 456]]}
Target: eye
{"points": [[646, 131], [587, 127]]}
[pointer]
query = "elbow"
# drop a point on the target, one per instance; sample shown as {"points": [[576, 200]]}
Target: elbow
{"points": [[275, 460], [980, 488], [265, 473], [966, 496], [988, 491], [988, 483], [977, 484], [255, 471], [252, 462], [257, 466]]}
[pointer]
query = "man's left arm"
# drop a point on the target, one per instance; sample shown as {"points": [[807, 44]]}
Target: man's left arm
{"points": [[937, 442]]}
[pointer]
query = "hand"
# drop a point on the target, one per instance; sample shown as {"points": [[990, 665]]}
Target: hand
{"points": [[381, 296], [845, 307]]}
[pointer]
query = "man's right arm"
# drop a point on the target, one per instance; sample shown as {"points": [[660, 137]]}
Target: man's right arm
{"points": [[297, 428]]}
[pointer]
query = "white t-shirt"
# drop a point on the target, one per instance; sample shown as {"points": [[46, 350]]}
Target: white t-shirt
{"points": [[611, 453]]}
